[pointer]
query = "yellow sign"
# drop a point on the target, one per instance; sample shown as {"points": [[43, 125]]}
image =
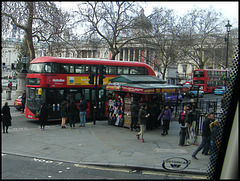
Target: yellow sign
{"points": [[39, 91], [168, 90], [81, 80]]}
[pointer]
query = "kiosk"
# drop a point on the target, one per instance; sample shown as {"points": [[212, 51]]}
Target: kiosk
{"points": [[124, 88]]}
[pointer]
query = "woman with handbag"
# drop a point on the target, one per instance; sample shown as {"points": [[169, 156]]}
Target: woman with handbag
{"points": [[166, 115], [6, 117]]}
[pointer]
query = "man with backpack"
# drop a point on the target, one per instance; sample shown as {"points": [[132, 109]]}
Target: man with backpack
{"points": [[83, 111]]}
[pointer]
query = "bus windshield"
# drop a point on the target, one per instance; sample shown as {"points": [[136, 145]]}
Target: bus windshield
{"points": [[36, 68], [198, 74]]}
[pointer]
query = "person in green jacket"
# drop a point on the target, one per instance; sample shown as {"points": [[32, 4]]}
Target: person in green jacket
{"points": [[142, 119]]}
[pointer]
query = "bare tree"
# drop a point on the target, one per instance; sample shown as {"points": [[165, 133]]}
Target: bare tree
{"points": [[201, 29], [165, 38], [111, 21], [41, 20]]}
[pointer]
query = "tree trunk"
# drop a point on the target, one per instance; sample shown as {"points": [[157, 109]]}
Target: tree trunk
{"points": [[114, 54], [29, 31], [30, 46]]}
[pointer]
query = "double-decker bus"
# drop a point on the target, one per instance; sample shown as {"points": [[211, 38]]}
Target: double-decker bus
{"points": [[51, 80], [208, 79]]}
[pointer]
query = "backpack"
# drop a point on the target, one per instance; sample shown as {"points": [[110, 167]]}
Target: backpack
{"points": [[181, 118]]}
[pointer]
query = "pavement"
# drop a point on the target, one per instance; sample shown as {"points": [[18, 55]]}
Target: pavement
{"points": [[105, 145]]}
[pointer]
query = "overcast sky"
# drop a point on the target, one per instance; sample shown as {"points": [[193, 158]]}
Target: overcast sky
{"points": [[229, 9]]}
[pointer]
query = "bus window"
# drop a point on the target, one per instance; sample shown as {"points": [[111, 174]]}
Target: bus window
{"points": [[55, 68], [198, 81], [93, 69], [138, 71], [35, 68], [120, 70], [112, 70], [71, 69], [78, 69], [123, 70], [142, 71], [47, 68], [64, 68], [198, 74]]}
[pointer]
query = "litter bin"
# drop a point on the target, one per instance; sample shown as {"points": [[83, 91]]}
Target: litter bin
{"points": [[182, 135], [8, 94]]}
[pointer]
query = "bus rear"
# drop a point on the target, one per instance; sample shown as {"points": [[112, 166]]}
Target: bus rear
{"points": [[208, 79], [199, 79]]}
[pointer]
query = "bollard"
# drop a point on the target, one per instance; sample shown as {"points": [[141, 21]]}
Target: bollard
{"points": [[8, 94], [182, 135]]}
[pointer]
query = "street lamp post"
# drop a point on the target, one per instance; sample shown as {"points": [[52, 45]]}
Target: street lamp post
{"points": [[24, 61], [228, 26]]}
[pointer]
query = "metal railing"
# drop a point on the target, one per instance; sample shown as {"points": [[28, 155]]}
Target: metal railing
{"points": [[204, 106]]}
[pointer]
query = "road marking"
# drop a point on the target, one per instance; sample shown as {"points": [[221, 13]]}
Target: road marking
{"points": [[162, 150], [173, 175], [102, 168]]}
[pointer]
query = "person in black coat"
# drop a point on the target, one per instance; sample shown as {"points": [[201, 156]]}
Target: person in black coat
{"points": [[43, 116], [134, 114], [206, 136], [6, 117], [72, 113]]}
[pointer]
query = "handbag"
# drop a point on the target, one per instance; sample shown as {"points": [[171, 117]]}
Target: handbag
{"points": [[37, 114]]}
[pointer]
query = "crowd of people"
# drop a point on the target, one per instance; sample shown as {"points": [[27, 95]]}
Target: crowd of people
{"points": [[69, 111], [145, 116]]}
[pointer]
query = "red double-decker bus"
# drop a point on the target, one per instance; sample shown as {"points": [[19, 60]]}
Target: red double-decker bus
{"points": [[208, 79], [51, 80]]}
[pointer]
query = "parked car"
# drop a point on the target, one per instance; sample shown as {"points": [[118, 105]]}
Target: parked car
{"points": [[193, 92], [219, 90], [18, 103], [185, 94], [172, 97]]}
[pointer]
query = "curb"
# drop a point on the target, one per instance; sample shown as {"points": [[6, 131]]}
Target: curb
{"points": [[115, 165]]}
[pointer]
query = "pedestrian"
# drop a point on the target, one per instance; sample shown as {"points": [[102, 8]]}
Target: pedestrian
{"points": [[195, 123], [43, 116], [6, 117], [10, 85], [189, 118], [134, 114], [182, 116], [23, 100], [181, 121], [72, 114], [154, 113], [192, 103], [166, 116], [142, 118], [214, 126], [83, 111], [64, 113], [206, 136]]}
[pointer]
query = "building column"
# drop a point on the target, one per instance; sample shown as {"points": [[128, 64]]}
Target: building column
{"points": [[140, 55], [124, 54], [134, 55], [129, 54]]}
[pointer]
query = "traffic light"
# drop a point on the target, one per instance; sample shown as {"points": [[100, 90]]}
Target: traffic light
{"points": [[91, 79], [102, 71]]}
